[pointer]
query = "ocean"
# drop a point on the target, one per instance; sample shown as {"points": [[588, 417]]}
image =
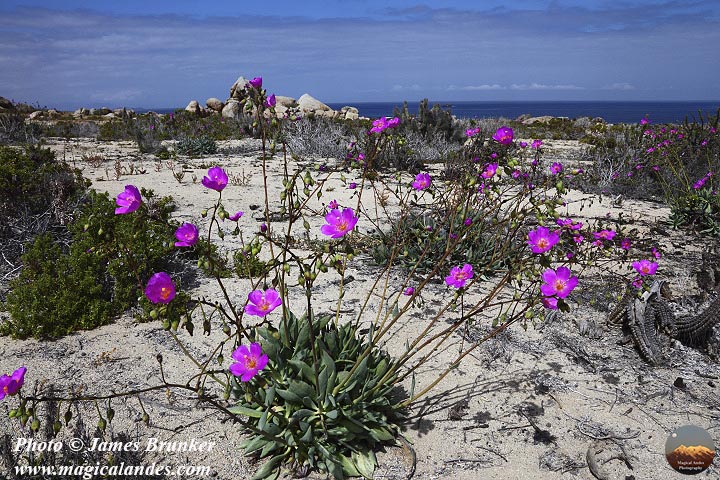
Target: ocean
{"points": [[612, 112]]}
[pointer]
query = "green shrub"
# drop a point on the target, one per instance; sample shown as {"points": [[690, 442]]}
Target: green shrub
{"points": [[102, 274], [56, 293], [194, 147], [248, 265], [699, 211], [332, 422]]}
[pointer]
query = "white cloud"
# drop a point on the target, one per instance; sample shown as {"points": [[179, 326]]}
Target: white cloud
{"points": [[619, 86], [540, 86], [472, 88]]}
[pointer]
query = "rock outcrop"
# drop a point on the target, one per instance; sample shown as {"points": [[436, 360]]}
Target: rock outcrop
{"points": [[193, 107], [214, 104]]}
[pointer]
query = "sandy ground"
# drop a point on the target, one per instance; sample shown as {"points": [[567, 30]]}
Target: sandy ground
{"points": [[526, 405]]}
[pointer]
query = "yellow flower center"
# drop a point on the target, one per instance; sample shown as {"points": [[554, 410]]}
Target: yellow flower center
{"points": [[164, 293], [559, 285], [264, 305], [342, 226], [461, 276], [250, 362], [543, 243]]}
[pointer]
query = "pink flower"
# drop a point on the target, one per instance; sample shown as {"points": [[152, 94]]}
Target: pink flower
{"points": [[256, 82], [11, 384], [536, 144], [271, 101], [379, 125], [637, 282], [644, 121], [352, 186], [541, 239], [700, 183], [503, 135], [128, 200], [490, 170], [339, 224], [604, 235], [160, 288], [471, 132], [655, 253], [422, 181], [333, 205], [578, 239], [568, 223], [409, 291], [523, 144], [459, 276], [263, 227], [556, 168], [216, 179], [550, 303], [625, 244], [187, 235], [645, 267], [558, 282], [249, 361], [236, 216], [261, 303], [468, 222], [393, 122]]}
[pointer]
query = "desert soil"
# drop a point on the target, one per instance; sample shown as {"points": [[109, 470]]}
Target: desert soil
{"points": [[527, 404]]}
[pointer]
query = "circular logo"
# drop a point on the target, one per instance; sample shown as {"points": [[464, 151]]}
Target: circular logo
{"points": [[690, 450]]}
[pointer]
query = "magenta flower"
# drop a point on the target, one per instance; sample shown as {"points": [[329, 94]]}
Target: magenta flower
{"points": [[333, 205], [558, 282], [11, 384], [256, 82], [541, 239], [550, 303], [604, 235], [249, 361], [556, 168], [379, 125], [504, 135], [422, 181], [471, 132], [261, 303], [160, 288], [645, 267], [271, 101], [339, 224], [393, 122], [459, 276], [523, 144], [536, 144], [655, 253], [409, 291], [468, 222], [625, 244], [263, 227], [490, 170], [128, 200], [216, 179], [644, 121], [236, 216], [187, 235], [578, 239], [568, 223]]}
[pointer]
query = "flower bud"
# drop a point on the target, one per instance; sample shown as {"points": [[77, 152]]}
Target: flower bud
{"points": [[100, 232], [57, 426], [146, 419], [13, 413], [203, 213], [35, 425]]}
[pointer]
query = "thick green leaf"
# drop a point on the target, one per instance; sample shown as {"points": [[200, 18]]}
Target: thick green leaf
{"points": [[365, 463], [303, 368], [289, 396], [243, 410], [348, 466], [271, 467]]}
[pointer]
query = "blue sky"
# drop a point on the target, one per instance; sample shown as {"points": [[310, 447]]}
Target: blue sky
{"points": [[163, 53]]}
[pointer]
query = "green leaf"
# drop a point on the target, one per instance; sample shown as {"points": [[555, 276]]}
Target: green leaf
{"points": [[303, 368], [348, 466], [382, 434], [243, 410], [365, 463], [271, 467], [289, 396]]}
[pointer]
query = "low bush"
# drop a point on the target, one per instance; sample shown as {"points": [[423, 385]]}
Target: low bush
{"points": [[195, 147]]}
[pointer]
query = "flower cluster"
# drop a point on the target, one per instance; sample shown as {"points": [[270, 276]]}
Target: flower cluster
{"points": [[384, 123], [11, 384], [471, 132]]}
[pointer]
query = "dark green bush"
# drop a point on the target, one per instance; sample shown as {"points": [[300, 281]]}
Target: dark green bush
{"points": [[56, 293], [248, 265], [101, 274]]}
